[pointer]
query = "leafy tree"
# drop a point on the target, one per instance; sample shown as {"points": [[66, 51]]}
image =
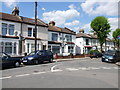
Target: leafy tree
{"points": [[115, 35], [101, 27]]}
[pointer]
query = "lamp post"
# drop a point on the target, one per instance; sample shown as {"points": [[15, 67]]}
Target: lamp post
{"points": [[35, 26]]}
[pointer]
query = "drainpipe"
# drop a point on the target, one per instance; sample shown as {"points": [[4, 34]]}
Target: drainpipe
{"points": [[20, 41]]}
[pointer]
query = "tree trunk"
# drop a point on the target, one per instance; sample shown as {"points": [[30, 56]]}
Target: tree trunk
{"points": [[101, 47]]}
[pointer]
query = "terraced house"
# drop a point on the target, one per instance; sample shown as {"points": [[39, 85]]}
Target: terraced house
{"points": [[61, 40], [17, 33], [86, 42]]}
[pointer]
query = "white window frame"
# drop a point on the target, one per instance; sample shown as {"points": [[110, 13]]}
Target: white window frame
{"points": [[52, 36], [8, 28]]}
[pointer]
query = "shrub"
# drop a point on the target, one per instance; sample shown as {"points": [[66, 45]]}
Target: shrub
{"points": [[93, 51]]}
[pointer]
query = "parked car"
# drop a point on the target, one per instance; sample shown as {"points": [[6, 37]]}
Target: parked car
{"points": [[8, 61], [95, 55], [38, 57], [111, 56]]}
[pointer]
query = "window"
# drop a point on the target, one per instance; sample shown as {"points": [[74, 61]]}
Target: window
{"points": [[56, 49], [44, 47], [94, 42], [15, 48], [87, 41], [30, 32], [32, 47], [54, 37], [68, 38], [49, 48], [70, 49], [28, 46], [1, 46], [11, 29], [8, 47], [4, 29], [38, 47]]}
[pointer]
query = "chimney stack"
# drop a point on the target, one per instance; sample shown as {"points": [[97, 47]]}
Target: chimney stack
{"points": [[94, 33], [52, 23], [81, 31], [15, 11]]}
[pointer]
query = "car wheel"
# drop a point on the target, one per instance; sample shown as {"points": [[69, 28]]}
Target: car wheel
{"points": [[102, 60], [16, 64], [36, 62], [51, 60]]}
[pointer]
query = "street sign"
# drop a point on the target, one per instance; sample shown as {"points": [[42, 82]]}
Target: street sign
{"points": [[119, 37]]}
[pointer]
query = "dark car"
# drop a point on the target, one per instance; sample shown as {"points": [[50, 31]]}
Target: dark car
{"points": [[111, 56], [95, 55], [38, 57], [8, 61]]}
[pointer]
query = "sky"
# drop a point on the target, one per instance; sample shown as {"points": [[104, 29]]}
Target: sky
{"points": [[73, 14]]}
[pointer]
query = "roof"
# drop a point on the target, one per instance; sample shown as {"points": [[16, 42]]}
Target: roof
{"points": [[89, 36], [83, 35], [54, 28], [67, 30], [10, 17], [59, 29], [108, 39], [93, 36]]}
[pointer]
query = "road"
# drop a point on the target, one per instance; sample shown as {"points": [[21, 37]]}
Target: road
{"points": [[78, 73]]}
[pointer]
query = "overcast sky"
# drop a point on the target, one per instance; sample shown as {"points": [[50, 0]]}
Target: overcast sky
{"points": [[74, 15]]}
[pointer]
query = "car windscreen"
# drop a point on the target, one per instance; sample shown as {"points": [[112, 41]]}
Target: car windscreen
{"points": [[32, 53], [110, 52]]}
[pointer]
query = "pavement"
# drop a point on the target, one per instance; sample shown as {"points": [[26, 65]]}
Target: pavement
{"points": [[68, 59], [118, 63]]}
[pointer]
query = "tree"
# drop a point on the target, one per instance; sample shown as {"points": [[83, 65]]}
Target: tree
{"points": [[101, 27], [115, 35]]}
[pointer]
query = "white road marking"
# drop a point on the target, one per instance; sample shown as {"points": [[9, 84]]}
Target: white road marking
{"points": [[57, 70], [22, 75], [94, 68], [72, 69], [5, 77], [84, 68], [54, 70], [39, 73], [116, 68], [106, 67]]}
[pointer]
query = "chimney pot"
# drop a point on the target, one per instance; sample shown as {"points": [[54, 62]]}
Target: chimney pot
{"points": [[15, 11]]}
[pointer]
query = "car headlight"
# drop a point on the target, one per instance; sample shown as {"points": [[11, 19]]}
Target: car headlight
{"points": [[103, 56], [30, 58]]}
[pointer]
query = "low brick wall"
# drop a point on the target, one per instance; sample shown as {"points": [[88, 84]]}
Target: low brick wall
{"points": [[76, 56], [87, 55]]}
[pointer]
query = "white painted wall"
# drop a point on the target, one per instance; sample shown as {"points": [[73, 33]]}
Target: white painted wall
{"points": [[81, 42]]}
